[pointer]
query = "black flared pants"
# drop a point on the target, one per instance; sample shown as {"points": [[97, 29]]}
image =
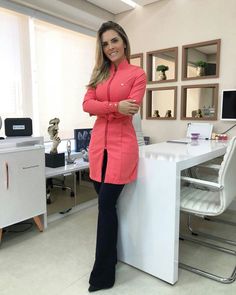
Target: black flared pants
{"points": [[103, 273]]}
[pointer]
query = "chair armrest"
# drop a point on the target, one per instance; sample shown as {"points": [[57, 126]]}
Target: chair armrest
{"points": [[210, 166], [202, 182]]}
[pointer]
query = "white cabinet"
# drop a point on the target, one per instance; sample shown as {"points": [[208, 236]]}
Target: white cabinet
{"points": [[22, 184]]}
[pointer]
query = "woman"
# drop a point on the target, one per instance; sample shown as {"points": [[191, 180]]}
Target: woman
{"points": [[114, 94]]}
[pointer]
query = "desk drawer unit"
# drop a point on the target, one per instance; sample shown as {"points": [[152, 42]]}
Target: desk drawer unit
{"points": [[22, 184]]}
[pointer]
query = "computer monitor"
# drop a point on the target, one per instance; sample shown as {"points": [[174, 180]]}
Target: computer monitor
{"points": [[203, 129], [228, 105], [82, 138]]}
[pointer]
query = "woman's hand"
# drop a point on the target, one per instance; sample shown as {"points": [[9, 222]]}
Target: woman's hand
{"points": [[128, 107]]}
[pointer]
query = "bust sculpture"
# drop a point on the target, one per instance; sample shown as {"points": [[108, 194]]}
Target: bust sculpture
{"points": [[168, 114], [53, 132]]}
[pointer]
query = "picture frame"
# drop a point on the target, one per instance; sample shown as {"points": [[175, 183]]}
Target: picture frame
{"points": [[82, 138]]}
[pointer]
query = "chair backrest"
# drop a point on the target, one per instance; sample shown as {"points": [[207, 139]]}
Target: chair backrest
{"points": [[138, 129], [227, 175]]}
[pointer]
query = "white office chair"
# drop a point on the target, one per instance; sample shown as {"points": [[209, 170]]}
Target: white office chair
{"points": [[204, 198], [208, 171], [138, 129]]}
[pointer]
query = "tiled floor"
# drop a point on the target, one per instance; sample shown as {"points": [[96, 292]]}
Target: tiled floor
{"points": [[58, 262]]}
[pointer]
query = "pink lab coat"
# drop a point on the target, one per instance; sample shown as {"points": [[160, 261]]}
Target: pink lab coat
{"points": [[112, 130]]}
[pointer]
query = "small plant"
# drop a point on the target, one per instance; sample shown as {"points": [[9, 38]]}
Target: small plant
{"points": [[162, 68], [201, 63]]}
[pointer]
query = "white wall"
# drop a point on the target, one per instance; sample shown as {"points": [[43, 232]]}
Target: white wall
{"points": [[170, 23]]}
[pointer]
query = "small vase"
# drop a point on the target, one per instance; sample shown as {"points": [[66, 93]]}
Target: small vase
{"points": [[200, 71], [162, 76]]}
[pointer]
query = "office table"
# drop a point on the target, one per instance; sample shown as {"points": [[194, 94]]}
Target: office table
{"points": [[68, 169], [149, 208]]}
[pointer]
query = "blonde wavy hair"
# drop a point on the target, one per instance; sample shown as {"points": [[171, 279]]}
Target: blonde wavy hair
{"points": [[102, 63]]}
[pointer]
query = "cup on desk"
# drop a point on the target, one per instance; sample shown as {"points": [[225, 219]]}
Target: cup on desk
{"points": [[195, 136]]}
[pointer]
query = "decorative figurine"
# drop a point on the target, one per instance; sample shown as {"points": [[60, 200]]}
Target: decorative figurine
{"points": [[1, 127], [198, 114], [69, 160], [53, 132], [156, 114], [54, 159], [85, 155], [168, 114]]}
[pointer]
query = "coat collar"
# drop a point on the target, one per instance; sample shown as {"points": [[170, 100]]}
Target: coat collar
{"points": [[122, 65]]}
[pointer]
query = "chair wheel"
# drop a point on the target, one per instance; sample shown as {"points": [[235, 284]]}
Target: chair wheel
{"points": [[65, 211]]}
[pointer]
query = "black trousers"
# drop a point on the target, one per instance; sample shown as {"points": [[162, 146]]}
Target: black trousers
{"points": [[103, 273]]}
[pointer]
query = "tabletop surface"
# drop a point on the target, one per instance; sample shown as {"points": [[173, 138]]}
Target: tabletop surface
{"points": [[79, 164], [182, 149]]}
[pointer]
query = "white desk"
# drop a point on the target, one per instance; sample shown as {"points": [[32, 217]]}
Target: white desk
{"points": [[79, 164], [149, 208], [68, 169]]}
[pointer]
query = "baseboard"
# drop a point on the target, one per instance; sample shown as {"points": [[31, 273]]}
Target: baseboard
{"points": [[75, 209]]}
